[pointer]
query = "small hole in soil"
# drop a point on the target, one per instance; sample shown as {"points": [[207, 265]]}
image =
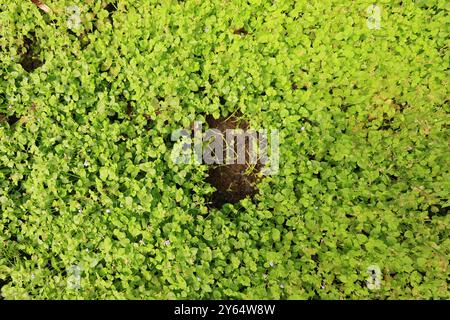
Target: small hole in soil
{"points": [[233, 182], [240, 31], [4, 283], [111, 7], [130, 110], [29, 60], [12, 119]]}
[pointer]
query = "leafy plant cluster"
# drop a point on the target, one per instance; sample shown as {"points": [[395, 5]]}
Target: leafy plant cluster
{"points": [[86, 180]]}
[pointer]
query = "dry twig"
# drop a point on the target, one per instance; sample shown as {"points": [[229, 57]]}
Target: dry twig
{"points": [[41, 6]]}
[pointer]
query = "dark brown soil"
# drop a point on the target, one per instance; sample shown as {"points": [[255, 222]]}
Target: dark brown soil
{"points": [[240, 31], [233, 182], [11, 120], [28, 59]]}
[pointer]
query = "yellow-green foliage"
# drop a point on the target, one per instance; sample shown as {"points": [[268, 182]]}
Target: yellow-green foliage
{"points": [[88, 194]]}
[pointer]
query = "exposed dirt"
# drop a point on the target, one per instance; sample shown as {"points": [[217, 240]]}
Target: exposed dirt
{"points": [[233, 182], [111, 7], [240, 31], [2, 284], [11, 120], [29, 59]]}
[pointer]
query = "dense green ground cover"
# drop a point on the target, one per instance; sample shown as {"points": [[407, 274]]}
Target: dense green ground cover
{"points": [[87, 191]]}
